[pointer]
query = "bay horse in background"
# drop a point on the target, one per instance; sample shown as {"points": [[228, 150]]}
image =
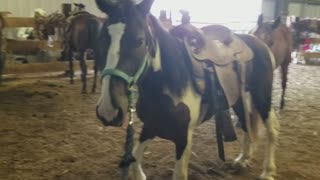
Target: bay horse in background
{"points": [[169, 105], [278, 37], [81, 35]]}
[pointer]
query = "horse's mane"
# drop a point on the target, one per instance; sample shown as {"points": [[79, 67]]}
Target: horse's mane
{"points": [[174, 72]]}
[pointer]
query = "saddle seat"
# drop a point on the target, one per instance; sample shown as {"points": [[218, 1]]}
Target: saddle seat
{"points": [[217, 45]]}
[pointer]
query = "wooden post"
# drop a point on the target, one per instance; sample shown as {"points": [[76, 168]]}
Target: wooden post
{"points": [[66, 9]]}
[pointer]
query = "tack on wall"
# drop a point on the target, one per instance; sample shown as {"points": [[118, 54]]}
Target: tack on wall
{"points": [[24, 8]]}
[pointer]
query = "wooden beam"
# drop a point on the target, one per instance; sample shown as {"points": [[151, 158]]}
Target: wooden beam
{"points": [[30, 47], [14, 22], [308, 55]]}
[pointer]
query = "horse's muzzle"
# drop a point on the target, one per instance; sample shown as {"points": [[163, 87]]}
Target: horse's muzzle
{"points": [[117, 122]]}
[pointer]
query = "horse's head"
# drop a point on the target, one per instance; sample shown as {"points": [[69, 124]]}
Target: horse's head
{"points": [[264, 30], [129, 47], [39, 12]]}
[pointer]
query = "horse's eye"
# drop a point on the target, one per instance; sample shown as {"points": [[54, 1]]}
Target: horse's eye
{"points": [[139, 42]]}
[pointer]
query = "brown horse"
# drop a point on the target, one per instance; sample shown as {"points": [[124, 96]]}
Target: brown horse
{"points": [[278, 37], [81, 35]]}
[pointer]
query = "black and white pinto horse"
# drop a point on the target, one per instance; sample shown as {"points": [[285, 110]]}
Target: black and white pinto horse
{"points": [[168, 104]]}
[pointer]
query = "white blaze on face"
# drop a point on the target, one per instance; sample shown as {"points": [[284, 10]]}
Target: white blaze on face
{"points": [[105, 107]]}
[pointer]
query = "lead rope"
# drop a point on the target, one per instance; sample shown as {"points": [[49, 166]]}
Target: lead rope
{"points": [[128, 148]]}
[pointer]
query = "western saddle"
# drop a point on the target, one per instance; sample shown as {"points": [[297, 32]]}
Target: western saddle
{"points": [[217, 45]]}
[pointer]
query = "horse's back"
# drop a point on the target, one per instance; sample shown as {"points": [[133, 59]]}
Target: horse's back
{"points": [[84, 30]]}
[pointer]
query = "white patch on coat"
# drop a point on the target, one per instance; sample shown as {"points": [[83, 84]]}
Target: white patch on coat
{"points": [[105, 107], [273, 128], [156, 61], [116, 32], [192, 100], [138, 152]]}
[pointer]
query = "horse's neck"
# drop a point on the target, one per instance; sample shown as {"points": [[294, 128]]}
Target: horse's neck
{"points": [[173, 75], [282, 44]]}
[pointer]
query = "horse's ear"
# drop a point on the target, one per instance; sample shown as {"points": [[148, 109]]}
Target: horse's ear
{"points": [[107, 7], [276, 23], [260, 20], [145, 6]]}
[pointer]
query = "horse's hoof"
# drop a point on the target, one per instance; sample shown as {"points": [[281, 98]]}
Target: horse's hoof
{"points": [[267, 175], [93, 91], [240, 165], [84, 92], [265, 178]]}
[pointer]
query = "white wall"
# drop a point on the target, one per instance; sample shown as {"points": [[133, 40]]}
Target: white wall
{"points": [[24, 8], [236, 14], [304, 10], [268, 9]]}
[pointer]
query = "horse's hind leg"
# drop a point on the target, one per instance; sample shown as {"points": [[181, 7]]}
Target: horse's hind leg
{"points": [[138, 152], [273, 127], [71, 71], [284, 76], [95, 69], [83, 67], [246, 146]]}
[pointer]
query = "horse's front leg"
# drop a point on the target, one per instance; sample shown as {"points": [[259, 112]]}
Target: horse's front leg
{"points": [[284, 75], [183, 153], [69, 56], [138, 152]]}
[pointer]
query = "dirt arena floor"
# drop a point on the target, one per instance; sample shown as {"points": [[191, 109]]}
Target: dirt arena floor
{"points": [[49, 131]]}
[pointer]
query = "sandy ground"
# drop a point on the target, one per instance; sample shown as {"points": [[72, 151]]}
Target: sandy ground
{"points": [[49, 131]]}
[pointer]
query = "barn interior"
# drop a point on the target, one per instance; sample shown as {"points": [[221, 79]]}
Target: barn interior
{"points": [[49, 125]]}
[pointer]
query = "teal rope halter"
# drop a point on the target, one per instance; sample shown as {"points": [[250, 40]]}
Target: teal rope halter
{"points": [[131, 81]]}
